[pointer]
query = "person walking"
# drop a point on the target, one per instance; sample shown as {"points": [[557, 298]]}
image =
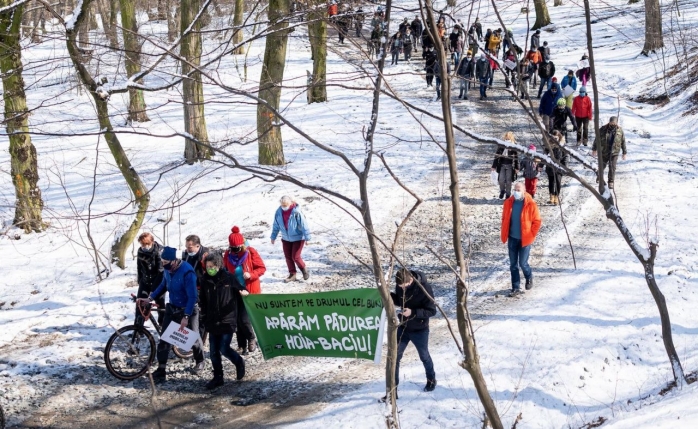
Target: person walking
{"points": [[610, 142], [546, 71], [247, 266], [527, 71], [531, 169], [535, 59], [466, 72], [535, 41], [506, 164], [482, 72], [149, 270], [407, 44], [437, 75], [395, 47], [559, 117], [415, 297], [584, 72], [554, 174], [219, 310], [570, 81], [547, 105], [429, 62], [582, 111], [521, 222], [290, 222], [179, 280], [194, 254], [417, 28]]}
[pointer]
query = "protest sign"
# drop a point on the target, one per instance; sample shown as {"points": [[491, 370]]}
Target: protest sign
{"points": [[347, 323], [511, 65], [182, 338], [582, 64]]}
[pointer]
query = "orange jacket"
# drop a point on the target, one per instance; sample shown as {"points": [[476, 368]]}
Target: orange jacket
{"points": [[332, 10], [530, 220], [534, 57], [581, 107]]}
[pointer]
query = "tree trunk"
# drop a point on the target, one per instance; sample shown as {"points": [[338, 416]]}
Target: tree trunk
{"points": [[542, 16], [107, 11], [162, 10], [557, 3], [173, 20], [23, 164], [192, 87], [238, 34], [132, 49], [653, 27], [317, 33], [138, 189], [471, 358], [271, 149]]}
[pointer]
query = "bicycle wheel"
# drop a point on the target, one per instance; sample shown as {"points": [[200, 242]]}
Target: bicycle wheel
{"points": [[129, 351], [182, 354]]}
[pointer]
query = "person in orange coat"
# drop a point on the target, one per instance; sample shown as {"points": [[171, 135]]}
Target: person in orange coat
{"points": [[534, 57], [520, 225], [582, 112], [243, 262]]}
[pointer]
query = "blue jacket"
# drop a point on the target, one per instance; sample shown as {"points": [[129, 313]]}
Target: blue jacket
{"points": [[571, 81], [297, 227], [182, 287], [549, 101]]}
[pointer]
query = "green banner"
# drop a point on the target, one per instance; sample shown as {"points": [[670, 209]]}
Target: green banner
{"points": [[346, 324]]}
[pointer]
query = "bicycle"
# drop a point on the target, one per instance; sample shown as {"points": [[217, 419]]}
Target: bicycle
{"points": [[132, 349]]}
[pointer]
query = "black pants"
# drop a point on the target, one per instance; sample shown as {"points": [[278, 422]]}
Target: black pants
{"points": [[554, 182], [582, 123], [430, 78], [144, 292], [611, 167], [174, 315], [245, 332]]}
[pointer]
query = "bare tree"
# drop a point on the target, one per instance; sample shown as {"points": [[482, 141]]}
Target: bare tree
{"points": [[24, 169], [238, 35], [542, 15], [317, 33], [132, 49], [653, 27]]}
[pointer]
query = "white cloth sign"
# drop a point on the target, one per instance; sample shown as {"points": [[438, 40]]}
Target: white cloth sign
{"points": [[583, 64], [567, 91], [182, 338], [511, 65]]}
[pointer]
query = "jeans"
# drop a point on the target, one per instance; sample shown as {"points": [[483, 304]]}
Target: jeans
{"points": [[483, 86], [582, 129], [518, 256], [292, 253], [456, 58], [544, 82], [220, 345], [396, 55], [174, 315], [464, 87], [420, 339], [438, 86], [407, 50], [506, 176]]}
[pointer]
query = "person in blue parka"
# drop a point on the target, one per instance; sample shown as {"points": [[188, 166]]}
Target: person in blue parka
{"points": [[289, 220], [548, 103]]}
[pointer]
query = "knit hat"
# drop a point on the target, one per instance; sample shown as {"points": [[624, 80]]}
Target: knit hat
{"points": [[561, 102], [532, 147], [582, 90], [169, 254], [554, 79], [570, 71], [236, 239]]}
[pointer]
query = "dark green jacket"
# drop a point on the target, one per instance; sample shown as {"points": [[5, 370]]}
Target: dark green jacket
{"points": [[601, 142]]}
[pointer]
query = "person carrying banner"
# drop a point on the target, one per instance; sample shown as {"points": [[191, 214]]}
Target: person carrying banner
{"points": [[417, 306]]}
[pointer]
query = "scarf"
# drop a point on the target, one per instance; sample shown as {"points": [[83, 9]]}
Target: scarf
{"points": [[237, 260], [174, 265]]}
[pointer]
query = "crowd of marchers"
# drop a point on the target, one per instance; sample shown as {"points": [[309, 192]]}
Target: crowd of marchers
{"points": [[206, 287]]}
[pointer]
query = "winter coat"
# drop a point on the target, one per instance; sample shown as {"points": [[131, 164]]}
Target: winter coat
{"points": [[544, 52], [416, 26], [197, 262], [528, 71], [407, 41], [478, 29], [581, 107], [455, 42], [253, 265], [414, 298], [549, 100], [436, 68], [297, 227], [426, 39], [332, 10], [181, 285], [482, 68], [571, 81], [560, 118], [583, 73], [510, 158], [618, 143], [546, 70], [494, 65], [535, 41], [487, 38], [534, 57], [218, 302], [558, 154], [395, 47], [429, 62], [530, 168], [149, 268], [466, 69], [494, 42], [530, 220], [375, 35], [402, 28]]}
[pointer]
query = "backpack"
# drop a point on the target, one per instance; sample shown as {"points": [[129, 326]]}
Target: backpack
{"points": [[529, 168]]}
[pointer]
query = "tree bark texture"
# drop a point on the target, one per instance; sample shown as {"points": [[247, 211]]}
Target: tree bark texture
{"points": [[557, 3], [471, 358], [162, 10], [238, 35], [132, 49], [542, 15], [271, 148], [317, 33], [107, 14], [653, 27], [138, 189], [23, 162], [192, 86]]}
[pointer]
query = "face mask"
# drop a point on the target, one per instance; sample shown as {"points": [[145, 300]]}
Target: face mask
{"points": [[192, 253], [518, 195], [147, 248], [212, 271], [167, 266], [285, 208]]}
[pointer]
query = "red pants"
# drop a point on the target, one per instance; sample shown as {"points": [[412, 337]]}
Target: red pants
{"points": [[292, 252], [531, 186]]}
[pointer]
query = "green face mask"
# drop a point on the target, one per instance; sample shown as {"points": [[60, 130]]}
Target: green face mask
{"points": [[212, 271]]}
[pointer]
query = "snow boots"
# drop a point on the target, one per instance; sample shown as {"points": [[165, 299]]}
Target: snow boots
{"points": [[216, 381], [306, 274], [431, 385], [290, 278], [160, 375], [240, 370]]}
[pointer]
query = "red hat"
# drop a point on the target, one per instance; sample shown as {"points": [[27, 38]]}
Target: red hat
{"points": [[554, 79], [236, 239]]}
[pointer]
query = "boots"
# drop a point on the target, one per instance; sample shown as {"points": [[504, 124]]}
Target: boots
{"points": [[290, 278], [252, 347], [555, 200], [216, 381], [431, 385], [552, 199], [240, 370], [160, 375], [306, 273]]}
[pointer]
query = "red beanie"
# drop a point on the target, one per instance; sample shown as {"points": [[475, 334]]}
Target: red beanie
{"points": [[236, 239]]}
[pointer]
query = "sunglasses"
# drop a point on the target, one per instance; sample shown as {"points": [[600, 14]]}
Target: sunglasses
{"points": [[235, 249]]}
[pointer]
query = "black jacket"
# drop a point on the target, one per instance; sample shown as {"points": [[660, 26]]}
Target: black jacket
{"points": [[466, 69], [196, 262], [546, 70], [560, 118], [414, 298], [482, 68], [416, 27], [429, 61], [510, 158], [149, 268], [561, 157], [218, 301]]}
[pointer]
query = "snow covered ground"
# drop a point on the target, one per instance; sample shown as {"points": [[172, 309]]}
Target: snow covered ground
{"points": [[582, 344]]}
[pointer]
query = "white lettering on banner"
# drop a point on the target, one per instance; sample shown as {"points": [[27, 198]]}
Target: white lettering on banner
{"points": [[182, 338], [339, 323], [293, 323], [350, 343]]}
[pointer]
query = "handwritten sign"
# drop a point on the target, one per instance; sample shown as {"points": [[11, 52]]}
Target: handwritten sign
{"points": [[583, 64], [511, 65], [182, 338]]}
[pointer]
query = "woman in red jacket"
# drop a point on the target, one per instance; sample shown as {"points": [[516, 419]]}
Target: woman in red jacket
{"points": [[581, 110], [247, 266]]}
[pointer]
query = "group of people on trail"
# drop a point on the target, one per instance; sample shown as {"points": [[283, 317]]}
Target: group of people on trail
{"points": [[206, 288]]}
